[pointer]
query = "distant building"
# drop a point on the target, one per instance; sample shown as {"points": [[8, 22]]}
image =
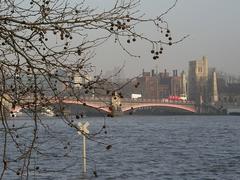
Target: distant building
{"points": [[230, 95], [175, 84], [79, 80], [198, 80], [164, 86], [229, 91], [183, 85], [159, 85], [213, 86], [148, 85]]}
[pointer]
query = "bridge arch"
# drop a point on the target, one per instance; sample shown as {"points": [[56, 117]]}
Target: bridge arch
{"points": [[100, 106], [177, 106]]}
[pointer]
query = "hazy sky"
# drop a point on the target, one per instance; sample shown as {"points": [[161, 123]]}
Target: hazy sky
{"points": [[213, 26]]}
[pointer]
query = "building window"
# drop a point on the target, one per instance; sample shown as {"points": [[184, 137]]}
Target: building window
{"points": [[200, 69]]}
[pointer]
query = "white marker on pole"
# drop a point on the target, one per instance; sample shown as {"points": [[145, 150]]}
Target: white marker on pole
{"points": [[84, 131]]}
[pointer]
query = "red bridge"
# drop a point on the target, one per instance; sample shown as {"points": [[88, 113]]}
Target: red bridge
{"points": [[124, 104], [115, 105]]}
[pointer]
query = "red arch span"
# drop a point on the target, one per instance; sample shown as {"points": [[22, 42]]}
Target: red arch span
{"points": [[102, 107], [178, 106]]}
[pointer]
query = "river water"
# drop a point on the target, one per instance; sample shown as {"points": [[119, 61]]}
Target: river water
{"points": [[142, 147]]}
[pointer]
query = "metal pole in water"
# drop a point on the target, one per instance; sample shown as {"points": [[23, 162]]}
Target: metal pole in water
{"points": [[84, 155], [84, 131]]}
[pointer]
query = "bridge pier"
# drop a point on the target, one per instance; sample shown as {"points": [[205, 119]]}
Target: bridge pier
{"points": [[116, 106], [116, 112]]}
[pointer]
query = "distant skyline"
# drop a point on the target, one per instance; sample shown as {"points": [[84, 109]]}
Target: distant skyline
{"points": [[213, 26]]}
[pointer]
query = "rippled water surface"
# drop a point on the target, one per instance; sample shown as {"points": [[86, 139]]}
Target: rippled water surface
{"points": [[143, 147]]}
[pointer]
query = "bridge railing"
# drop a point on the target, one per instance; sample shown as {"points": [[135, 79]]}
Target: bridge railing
{"points": [[130, 100], [157, 101]]}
